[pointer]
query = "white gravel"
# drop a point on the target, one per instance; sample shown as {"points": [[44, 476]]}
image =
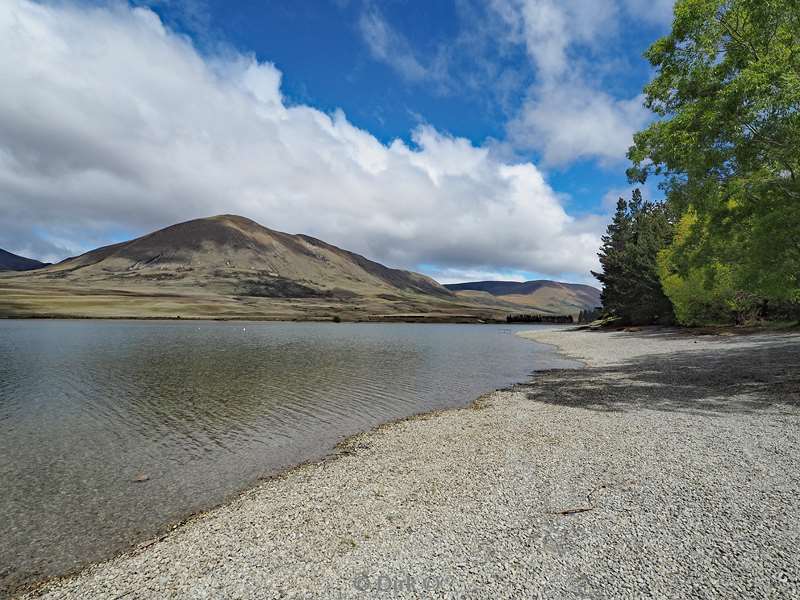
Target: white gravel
{"points": [[605, 348], [635, 477]]}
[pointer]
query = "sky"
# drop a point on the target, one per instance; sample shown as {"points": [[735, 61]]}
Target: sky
{"points": [[464, 139]]}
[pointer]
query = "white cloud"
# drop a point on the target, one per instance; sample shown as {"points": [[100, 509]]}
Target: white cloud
{"points": [[109, 122], [549, 28], [568, 120], [565, 116], [657, 12], [474, 61], [464, 275], [387, 45]]}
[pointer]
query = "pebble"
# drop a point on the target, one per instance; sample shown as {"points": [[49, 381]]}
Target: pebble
{"points": [[684, 453]]}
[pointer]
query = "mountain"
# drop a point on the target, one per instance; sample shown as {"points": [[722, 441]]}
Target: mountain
{"points": [[543, 295], [13, 262], [235, 255], [229, 267]]}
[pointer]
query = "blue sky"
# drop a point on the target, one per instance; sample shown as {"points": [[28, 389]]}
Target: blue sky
{"points": [[322, 50], [538, 97]]}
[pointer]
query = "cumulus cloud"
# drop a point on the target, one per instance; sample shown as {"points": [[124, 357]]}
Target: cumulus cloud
{"points": [[565, 116], [568, 120], [110, 123]]}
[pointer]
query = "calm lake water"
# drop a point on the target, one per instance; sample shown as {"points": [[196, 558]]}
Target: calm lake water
{"points": [[203, 410]]}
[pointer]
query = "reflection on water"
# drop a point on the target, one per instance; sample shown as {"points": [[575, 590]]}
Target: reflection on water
{"points": [[201, 410]]}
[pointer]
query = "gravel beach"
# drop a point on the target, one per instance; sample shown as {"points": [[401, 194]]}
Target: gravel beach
{"points": [[666, 468]]}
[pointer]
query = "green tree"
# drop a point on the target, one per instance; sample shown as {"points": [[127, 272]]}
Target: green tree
{"points": [[630, 277], [703, 294], [612, 259], [727, 147]]}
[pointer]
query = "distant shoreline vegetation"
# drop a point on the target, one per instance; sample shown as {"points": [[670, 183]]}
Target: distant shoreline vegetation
{"points": [[724, 245]]}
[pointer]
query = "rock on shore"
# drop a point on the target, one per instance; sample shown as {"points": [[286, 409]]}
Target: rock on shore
{"points": [[668, 467]]}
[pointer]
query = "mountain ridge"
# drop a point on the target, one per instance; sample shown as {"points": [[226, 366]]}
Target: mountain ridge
{"points": [[543, 294], [230, 267], [238, 244], [14, 262]]}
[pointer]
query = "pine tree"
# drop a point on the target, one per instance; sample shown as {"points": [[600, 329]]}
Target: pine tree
{"points": [[631, 285], [651, 232], [612, 259]]}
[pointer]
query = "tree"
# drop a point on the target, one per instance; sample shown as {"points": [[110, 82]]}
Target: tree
{"points": [[589, 315], [631, 285], [703, 294], [727, 147], [612, 259]]}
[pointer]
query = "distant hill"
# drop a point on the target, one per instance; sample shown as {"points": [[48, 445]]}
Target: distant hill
{"points": [[228, 266], [13, 262], [544, 295], [233, 254]]}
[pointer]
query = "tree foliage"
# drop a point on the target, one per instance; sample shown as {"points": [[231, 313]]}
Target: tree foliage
{"points": [[727, 149], [704, 294], [631, 285]]}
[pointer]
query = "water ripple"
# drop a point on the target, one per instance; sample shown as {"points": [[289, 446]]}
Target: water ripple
{"points": [[201, 411]]}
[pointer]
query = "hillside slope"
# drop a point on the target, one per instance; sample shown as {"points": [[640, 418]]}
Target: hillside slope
{"points": [[229, 267], [232, 254], [540, 295], [14, 262]]}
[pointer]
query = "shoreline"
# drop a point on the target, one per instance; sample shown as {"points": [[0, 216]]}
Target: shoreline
{"points": [[329, 453], [343, 448], [631, 344], [433, 320], [350, 468]]}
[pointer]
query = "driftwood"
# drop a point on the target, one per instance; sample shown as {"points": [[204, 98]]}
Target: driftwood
{"points": [[580, 509]]}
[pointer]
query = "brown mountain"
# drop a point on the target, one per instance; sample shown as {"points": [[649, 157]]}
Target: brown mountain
{"points": [[234, 255], [541, 295], [229, 267], [14, 262]]}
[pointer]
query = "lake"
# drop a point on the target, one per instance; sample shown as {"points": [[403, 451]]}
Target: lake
{"points": [[112, 430]]}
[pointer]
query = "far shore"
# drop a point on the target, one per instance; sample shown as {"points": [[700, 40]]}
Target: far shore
{"points": [[666, 467], [421, 318]]}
